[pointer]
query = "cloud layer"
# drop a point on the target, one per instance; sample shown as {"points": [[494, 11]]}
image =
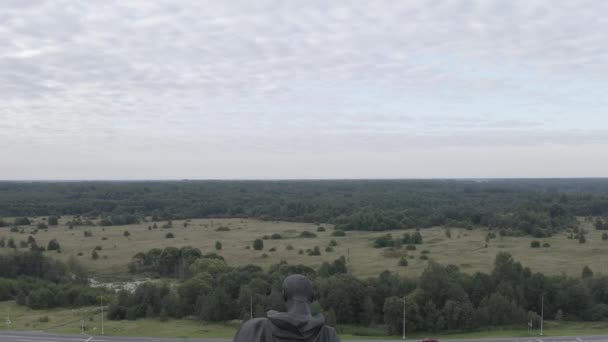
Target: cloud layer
{"points": [[114, 88]]}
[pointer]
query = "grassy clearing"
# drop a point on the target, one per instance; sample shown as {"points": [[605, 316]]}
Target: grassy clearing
{"points": [[466, 249], [68, 321]]}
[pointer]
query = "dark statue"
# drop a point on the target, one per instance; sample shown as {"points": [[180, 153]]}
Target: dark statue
{"points": [[297, 324]]}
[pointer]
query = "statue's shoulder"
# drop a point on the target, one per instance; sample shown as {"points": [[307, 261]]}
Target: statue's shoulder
{"points": [[252, 330], [330, 334]]}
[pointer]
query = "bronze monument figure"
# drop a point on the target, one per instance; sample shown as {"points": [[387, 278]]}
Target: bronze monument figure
{"points": [[297, 324]]}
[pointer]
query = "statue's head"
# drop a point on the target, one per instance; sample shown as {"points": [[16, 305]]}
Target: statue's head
{"points": [[298, 288]]}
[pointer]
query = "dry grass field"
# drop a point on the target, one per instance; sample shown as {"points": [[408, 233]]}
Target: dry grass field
{"points": [[466, 248]]}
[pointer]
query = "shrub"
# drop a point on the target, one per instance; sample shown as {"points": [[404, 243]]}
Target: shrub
{"points": [[14, 229], [329, 249], [384, 241], [581, 238], [546, 245], [53, 245], [94, 255], [604, 236], [289, 247], [2, 242], [424, 257], [22, 244], [403, 262], [307, 235], [222, 229], [535, 244], [264, 255], [315, 251], [258, 244], [333, 243], [126, 233], [301, 251], [320, 229], [276, 236], [88, 233], [410, 247], [22, 221], [104, 238], [41, 225], [218, 245], [273, 249], [338, 233], [169, 236], [98, 248], [79, 254]]}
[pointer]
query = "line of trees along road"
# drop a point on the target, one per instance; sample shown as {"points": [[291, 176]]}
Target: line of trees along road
{"points": [[443, 298], [536, 207]]}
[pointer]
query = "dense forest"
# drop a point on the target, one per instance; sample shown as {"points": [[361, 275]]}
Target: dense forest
{"points": [[537, 207], [204, 287]]}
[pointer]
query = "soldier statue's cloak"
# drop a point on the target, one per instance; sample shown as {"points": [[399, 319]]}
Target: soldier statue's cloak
{"points": [[286, 327]]}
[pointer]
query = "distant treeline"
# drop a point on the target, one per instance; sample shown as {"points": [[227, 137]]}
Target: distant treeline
{"points": [[537, 207]]}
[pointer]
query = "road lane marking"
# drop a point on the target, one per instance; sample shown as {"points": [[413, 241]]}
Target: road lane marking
{"points": [[579, 339], [36, 341], [38, 338], [90, 338]]}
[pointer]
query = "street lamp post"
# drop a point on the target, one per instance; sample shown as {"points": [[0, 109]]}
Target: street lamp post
{"points": [[542, 313], [404, 317], [102, 330]]}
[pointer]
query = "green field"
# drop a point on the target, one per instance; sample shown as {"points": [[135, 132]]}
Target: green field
{"points": [[466, 248], [69, 321]]}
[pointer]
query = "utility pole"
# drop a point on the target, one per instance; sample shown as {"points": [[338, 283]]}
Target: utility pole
{"points": [[102, 330], [542, 313], [404, 317]]}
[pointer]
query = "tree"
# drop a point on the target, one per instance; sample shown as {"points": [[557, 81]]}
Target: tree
{"points": [[587, 272], [169, 236], [258, 244], [11, 243], [53, 245], [581, 238], [53, 220], [535, 244], [126, 233], [218, 245], [604, 236], [94, 255], [403, 262]]}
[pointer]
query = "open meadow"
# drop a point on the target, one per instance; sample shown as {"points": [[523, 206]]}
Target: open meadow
{"points": [[467, 249]]}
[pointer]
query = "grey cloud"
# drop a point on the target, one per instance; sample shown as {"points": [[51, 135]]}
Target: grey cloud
{"points": [[276, 75]]}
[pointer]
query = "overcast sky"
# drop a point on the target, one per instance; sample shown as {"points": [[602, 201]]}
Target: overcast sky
{"points": [[303, 89]]}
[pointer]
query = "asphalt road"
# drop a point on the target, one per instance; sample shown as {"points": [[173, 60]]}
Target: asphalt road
{"points": [[46, 337]]}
